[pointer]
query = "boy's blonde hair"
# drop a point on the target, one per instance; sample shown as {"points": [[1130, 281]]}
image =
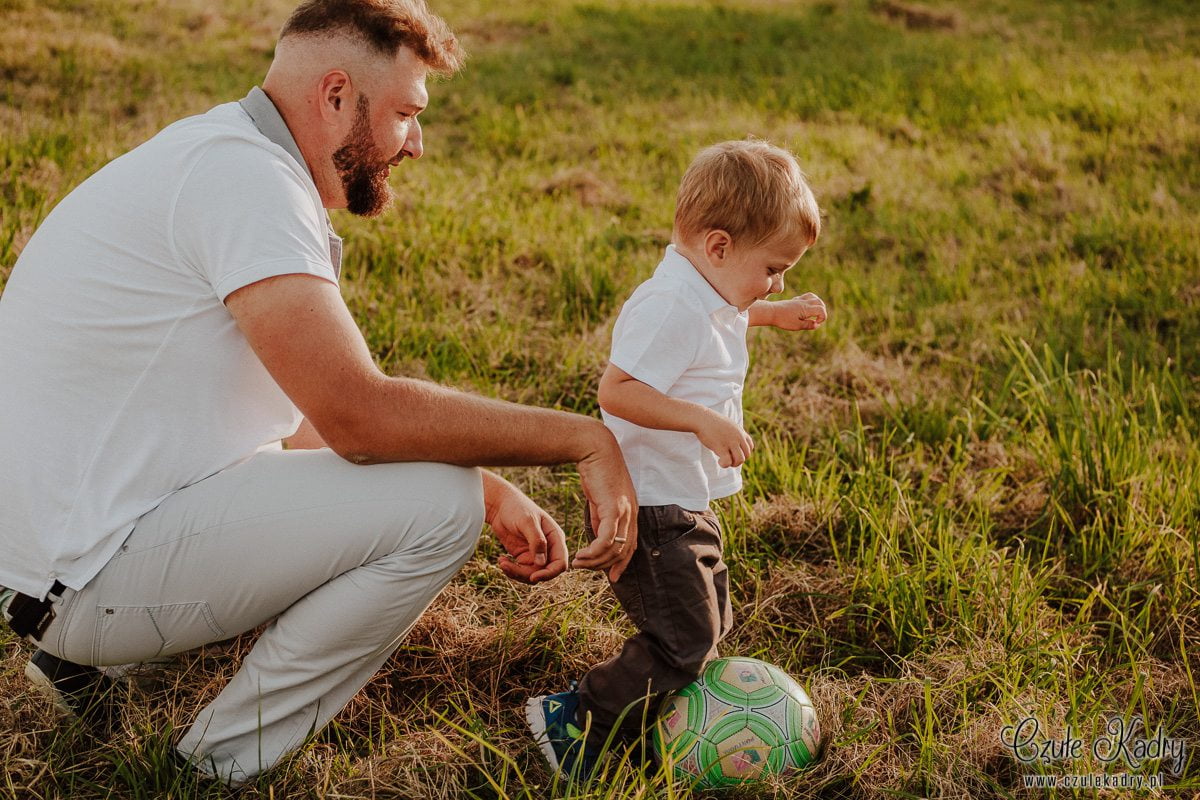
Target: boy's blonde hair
{"points": [[752, 190]]}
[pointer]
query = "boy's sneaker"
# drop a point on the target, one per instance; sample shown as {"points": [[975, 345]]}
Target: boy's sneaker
{"points": [[78, 690], [552, 719]]}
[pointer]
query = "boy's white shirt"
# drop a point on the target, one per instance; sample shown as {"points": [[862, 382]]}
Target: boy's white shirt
{"points": [[677, 334]]}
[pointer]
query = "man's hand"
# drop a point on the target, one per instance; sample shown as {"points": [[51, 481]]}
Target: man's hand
{"points": [[612, 506], [804, 313], [537, 549], [724, 437]]}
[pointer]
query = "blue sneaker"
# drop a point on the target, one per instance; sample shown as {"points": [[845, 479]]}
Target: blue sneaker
{"points": [[552, 719]]}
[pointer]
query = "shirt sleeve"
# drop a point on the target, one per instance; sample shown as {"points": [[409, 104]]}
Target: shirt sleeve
{"points": [[244, 214], [656, 338]]}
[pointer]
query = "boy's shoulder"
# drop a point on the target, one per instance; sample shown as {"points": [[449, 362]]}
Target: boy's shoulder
{"points": [[663, 298], [675, 284]]}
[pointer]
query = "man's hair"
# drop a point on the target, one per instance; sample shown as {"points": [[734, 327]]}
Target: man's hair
{"points": [[385, 25], [752, 190]]}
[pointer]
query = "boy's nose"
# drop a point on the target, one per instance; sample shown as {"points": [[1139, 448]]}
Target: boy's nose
{"points": [[777, 284]]}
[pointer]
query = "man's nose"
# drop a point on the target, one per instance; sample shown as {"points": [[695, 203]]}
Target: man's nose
{"points": [[413, 146]]}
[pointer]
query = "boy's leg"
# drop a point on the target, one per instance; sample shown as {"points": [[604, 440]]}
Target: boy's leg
{"points": [[343, 558], [676, 591]]}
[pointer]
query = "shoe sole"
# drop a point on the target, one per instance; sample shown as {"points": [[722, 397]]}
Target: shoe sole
{"points": [[537, 724], [46, 686]]}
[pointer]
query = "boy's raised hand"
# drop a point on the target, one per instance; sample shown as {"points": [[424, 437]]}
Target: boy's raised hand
{"points": [[804, 313], [724, 437]]}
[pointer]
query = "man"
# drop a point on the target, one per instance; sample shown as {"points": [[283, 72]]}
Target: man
{"points": [[172, 320]]}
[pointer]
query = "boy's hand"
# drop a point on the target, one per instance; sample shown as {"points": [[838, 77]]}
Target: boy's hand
{"points": [[537, 548], [803, 313], [725, 438]]}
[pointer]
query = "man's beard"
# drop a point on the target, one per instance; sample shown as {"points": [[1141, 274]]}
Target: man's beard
{"points": [[362, 168]]}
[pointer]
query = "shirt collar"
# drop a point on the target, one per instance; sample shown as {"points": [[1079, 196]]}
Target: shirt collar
{"points": [[676, 265], [270, 123]]}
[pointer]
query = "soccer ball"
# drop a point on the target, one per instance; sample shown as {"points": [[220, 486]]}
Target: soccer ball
{"points": [[740, 721]]}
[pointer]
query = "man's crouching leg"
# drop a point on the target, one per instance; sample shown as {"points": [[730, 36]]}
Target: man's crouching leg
{"points": [[321, 650], [340, 560]]}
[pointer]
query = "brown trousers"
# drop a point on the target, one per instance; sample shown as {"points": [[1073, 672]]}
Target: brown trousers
{"points": [[676, 591]]}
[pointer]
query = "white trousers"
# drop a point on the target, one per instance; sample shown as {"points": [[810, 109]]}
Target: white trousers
{"points": [[342, 559]]}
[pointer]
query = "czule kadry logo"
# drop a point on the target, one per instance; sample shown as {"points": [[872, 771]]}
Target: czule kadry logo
{"points": [[1119, 742]]}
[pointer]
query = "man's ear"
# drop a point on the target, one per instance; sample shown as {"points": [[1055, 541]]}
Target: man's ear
{"points": [[716, 246], [333, 95]]}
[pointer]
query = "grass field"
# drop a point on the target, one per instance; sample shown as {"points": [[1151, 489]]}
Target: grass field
{"points": [[976, 492]]}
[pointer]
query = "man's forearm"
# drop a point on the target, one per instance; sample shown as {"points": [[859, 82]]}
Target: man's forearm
{"points": [[303, 333], [409, 420]]}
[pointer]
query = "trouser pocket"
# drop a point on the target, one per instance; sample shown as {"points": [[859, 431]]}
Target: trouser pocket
{"points": [[125, 634]]}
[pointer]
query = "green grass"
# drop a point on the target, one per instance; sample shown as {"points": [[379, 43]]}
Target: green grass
{"points": [[975, 492]]}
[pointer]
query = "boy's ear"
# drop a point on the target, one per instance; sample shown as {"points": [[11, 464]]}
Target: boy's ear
{"points": [[716, 246]]}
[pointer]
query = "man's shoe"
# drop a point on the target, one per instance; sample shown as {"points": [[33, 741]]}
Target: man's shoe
{"points": [[551, 717], [78, 690]]}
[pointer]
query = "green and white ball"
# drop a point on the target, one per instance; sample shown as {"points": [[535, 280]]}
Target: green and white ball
{"points": [[740, 721]]}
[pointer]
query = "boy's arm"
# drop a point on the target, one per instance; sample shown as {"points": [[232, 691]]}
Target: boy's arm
{"points": [[803, 313], [624, 396]]}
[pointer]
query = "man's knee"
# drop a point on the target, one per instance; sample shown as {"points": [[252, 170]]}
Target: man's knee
{"points": [[460, 499], [470, 509]]}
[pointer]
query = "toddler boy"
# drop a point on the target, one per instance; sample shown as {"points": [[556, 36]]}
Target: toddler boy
{"points": [[672, 396]]}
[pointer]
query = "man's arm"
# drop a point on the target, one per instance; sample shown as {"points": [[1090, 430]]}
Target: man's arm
{"points": [[535, 545], [301, 330], [624, 396]]}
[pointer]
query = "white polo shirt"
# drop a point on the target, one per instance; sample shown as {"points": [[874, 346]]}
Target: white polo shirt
{"points": [[123, 377], [678, 335]]}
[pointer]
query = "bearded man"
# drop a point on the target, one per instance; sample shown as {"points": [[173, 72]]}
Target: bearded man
{"points": [[171, 322]]}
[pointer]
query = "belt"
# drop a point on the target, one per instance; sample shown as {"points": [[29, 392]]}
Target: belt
{"points": [[29, 617]]}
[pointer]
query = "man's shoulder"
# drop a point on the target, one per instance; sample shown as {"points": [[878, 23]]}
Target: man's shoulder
{"points": [[226, 119], [222, 151], [226, 130]]}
